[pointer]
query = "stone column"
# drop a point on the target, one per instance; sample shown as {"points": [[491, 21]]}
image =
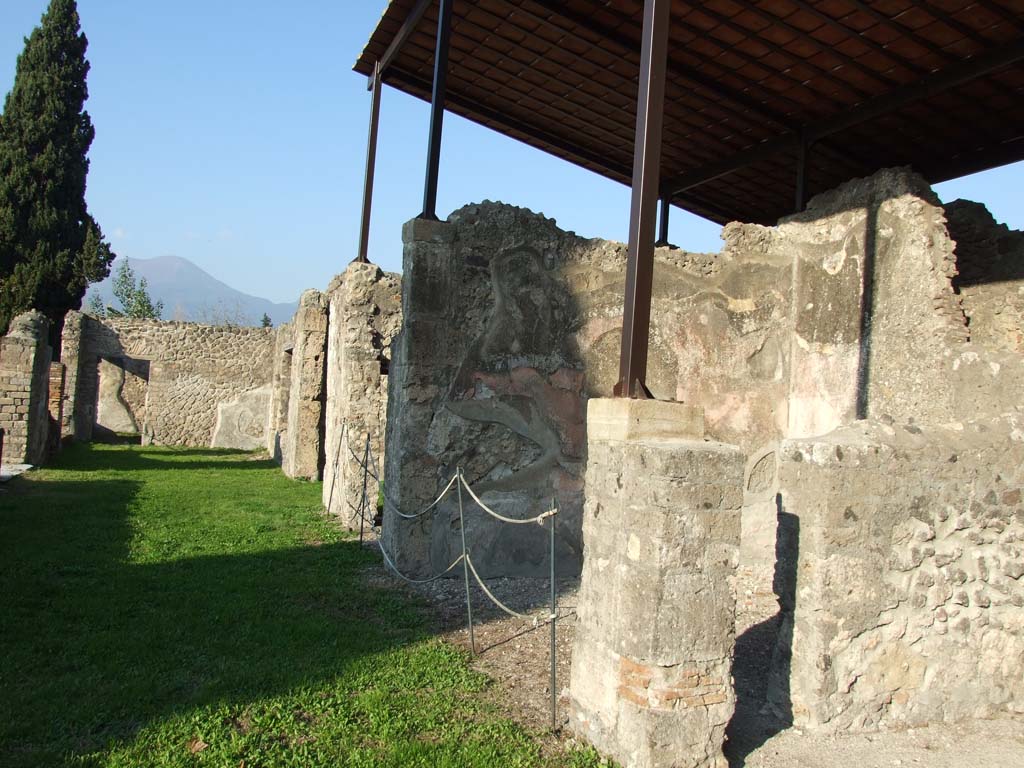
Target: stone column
{"points": [[651, 667], [24, 388], [73, 423], [304, 454], [364, 309], [420, 356]]}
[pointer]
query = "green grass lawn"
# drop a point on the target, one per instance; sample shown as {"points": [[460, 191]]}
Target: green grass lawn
{"points": [[170, 607]]}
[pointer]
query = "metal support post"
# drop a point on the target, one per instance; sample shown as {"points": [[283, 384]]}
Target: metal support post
{"points": [[800, 199], [666, 206], [554, 616], [365, 502], [444, 33], [371, 163], [636, 319], [465, 566]]}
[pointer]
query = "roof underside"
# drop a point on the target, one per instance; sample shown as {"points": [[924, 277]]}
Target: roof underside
{"points": [[744, 76]]}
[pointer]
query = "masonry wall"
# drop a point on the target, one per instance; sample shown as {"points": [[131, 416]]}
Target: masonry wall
{"points": [[365, 313], [907, 597], [191, 369], [24, 389], [303, 438], [511, 324]]}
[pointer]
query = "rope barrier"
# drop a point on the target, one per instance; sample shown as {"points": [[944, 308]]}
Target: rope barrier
{"points": [[496, 601], [464, 558], [539, 519]]}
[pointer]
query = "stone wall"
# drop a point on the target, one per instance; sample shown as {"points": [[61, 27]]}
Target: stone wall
{"points": [[281, 387], [908, 595], [843, 311], [651, 681], [365, 313], [55, 407], [164, 378], [303, 439], [24, 389]]}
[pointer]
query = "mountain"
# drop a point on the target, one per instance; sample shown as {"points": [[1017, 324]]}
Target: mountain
{"points": [[189, 293]]}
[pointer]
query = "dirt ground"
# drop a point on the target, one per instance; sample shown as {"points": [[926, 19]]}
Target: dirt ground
{"points": [[515, 653]]}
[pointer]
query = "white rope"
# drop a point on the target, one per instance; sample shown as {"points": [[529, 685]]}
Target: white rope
{"points": [[427, 508], [490, 594], [400, 575], [539, 519]]}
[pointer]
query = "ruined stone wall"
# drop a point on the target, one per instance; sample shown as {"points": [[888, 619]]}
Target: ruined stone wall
{"points": [[191, 370], [24, 389], [990, 279], [365, 313], [55, 407], [511, 324], [303, 451], [905, 604], [281, 385]]}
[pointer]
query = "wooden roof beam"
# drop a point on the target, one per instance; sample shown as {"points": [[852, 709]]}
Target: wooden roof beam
{"points": [[928, 86]]}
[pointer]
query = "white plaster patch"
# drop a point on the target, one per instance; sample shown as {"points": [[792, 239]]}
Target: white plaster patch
{"points": [[633, 547]]}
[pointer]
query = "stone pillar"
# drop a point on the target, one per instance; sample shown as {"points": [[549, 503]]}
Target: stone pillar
{"points": [[76, 425], [281, 383], [364, 311], [24, 388], [651, 667], [411, 475], [55, 406], [304, 454]]}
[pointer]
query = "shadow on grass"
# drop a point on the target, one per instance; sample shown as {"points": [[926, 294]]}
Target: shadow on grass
{"points": [[93, 646]]}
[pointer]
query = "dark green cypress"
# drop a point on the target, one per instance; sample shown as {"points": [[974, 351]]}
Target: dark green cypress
{"points": [[50, 247]]}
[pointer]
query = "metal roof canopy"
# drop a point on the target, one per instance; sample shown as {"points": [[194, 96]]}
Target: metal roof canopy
{"points": [[765, 102]]}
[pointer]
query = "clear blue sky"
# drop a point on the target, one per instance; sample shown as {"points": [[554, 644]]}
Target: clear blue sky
{"points": [[233, 133]]}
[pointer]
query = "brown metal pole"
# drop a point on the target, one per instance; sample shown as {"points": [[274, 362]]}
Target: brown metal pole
{"points": [[444, 34], [663, 223], [371, 163], [801, 174], [636, 318]]}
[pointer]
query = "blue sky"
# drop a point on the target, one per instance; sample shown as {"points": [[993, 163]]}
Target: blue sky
{"points": [[233, 133]]}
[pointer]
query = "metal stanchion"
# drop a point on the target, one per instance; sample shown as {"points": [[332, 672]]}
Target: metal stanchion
{"points": [[465, 565], [363, 502], [554, 614]]}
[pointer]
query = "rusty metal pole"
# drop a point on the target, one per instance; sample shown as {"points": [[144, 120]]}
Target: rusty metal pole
{"points": [[636, 318], [371, 164], [801, 174], [444, 34], [662, 240]]}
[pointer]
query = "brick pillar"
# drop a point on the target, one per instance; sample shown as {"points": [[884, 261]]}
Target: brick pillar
{"points": [[24, 383], [651, 677], [56, 407]]}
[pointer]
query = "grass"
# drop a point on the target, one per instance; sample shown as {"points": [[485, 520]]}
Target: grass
{"points": [[163, 607]]}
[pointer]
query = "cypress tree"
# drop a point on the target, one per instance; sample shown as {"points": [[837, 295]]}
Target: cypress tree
{"points": [[50, 247]]}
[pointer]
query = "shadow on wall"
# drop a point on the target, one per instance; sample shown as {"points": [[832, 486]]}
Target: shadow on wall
{"points": [[762, 656], [95, 646]]}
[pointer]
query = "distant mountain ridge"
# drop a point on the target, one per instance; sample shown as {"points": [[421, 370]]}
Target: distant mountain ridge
{"points": [[192, 294]]}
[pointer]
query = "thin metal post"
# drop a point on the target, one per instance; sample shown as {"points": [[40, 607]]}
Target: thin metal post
{"points": [[554, 615], [465, 566], [636, 318], [663, 223], [371, 164], [800, 199], [364, 502], [444, 33]]}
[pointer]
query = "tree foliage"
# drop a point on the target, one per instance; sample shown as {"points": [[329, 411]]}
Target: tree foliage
{"points": [[133, 296], [266, 322], [50, 247]]}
